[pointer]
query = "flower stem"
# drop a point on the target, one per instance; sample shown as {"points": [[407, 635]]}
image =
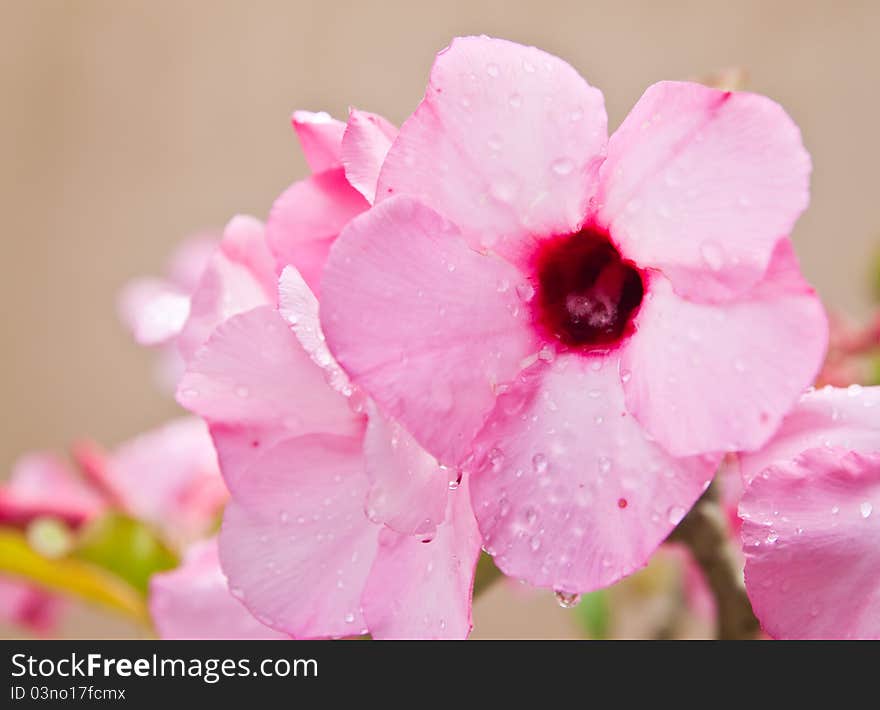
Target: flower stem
{"points": [[705, 533]]}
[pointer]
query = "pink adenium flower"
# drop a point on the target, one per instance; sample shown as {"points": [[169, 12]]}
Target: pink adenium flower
{"points": [[811, 519], [586, 323]]}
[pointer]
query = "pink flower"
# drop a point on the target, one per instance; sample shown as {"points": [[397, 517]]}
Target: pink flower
{"points": [[155, 310], [811, 519], [193, 601], [209, 281], [339, 523], [167, 478], [587, 323]]}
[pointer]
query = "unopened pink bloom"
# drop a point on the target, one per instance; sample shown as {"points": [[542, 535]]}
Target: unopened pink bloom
{"points": [[339, 523], [587, 323], [193, 601], [811, 519], [345, 161]]}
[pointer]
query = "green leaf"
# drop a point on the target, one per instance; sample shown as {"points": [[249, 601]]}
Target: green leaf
{"points": [[127, 548], [594, 614], [70, 576]]}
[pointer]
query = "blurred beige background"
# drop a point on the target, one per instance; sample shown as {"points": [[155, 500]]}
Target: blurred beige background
{"points": [[127, 125]]}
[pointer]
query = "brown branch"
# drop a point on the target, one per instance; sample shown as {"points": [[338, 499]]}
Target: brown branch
{"points": [[704, 531]]}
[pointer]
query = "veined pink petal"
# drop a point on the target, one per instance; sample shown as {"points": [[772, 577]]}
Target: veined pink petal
{"points": [[720, 377], [845, 418], [365, 144], [422, 590], [506, 143], [427, 326], [42, 485], [701, 184], [169, 477], [254, 377], [320, 137], [154, 310], [810, 531], [194, 602], [408, 488], [568, 490], [238, 277], [307, 217], [296, 544]]}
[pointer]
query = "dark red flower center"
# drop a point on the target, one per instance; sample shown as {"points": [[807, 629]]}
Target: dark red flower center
{"points": [[587, 293]]}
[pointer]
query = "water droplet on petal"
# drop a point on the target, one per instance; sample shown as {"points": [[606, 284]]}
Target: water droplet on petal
{"points": [[675, 514], [567, 600], [539, 463], [713, 255], [492, 70], [866, 509], [562, 166]]}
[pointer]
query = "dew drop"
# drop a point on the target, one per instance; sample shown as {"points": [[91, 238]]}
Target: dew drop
{"points": [[539, 463], [567, 600], [713, 255], [515, 100], [866, 509], [496, 458], [349, 618], [492, 70], [675, 514], [525, 291], [562, 166], [242, 391]]}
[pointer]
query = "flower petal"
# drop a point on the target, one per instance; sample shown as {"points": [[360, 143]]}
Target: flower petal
{"points": [[296, 544], [701, 184], [703, 377], [506, 143], [153, 310], [238, 277], [846, 418], [568, 490], [408, 487], [169, 477], [299, 306], [320, 137], [420, 590], [427, 326], [193, 602], [307, 217], [254, 377], [365, 144], [810, 531]]}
